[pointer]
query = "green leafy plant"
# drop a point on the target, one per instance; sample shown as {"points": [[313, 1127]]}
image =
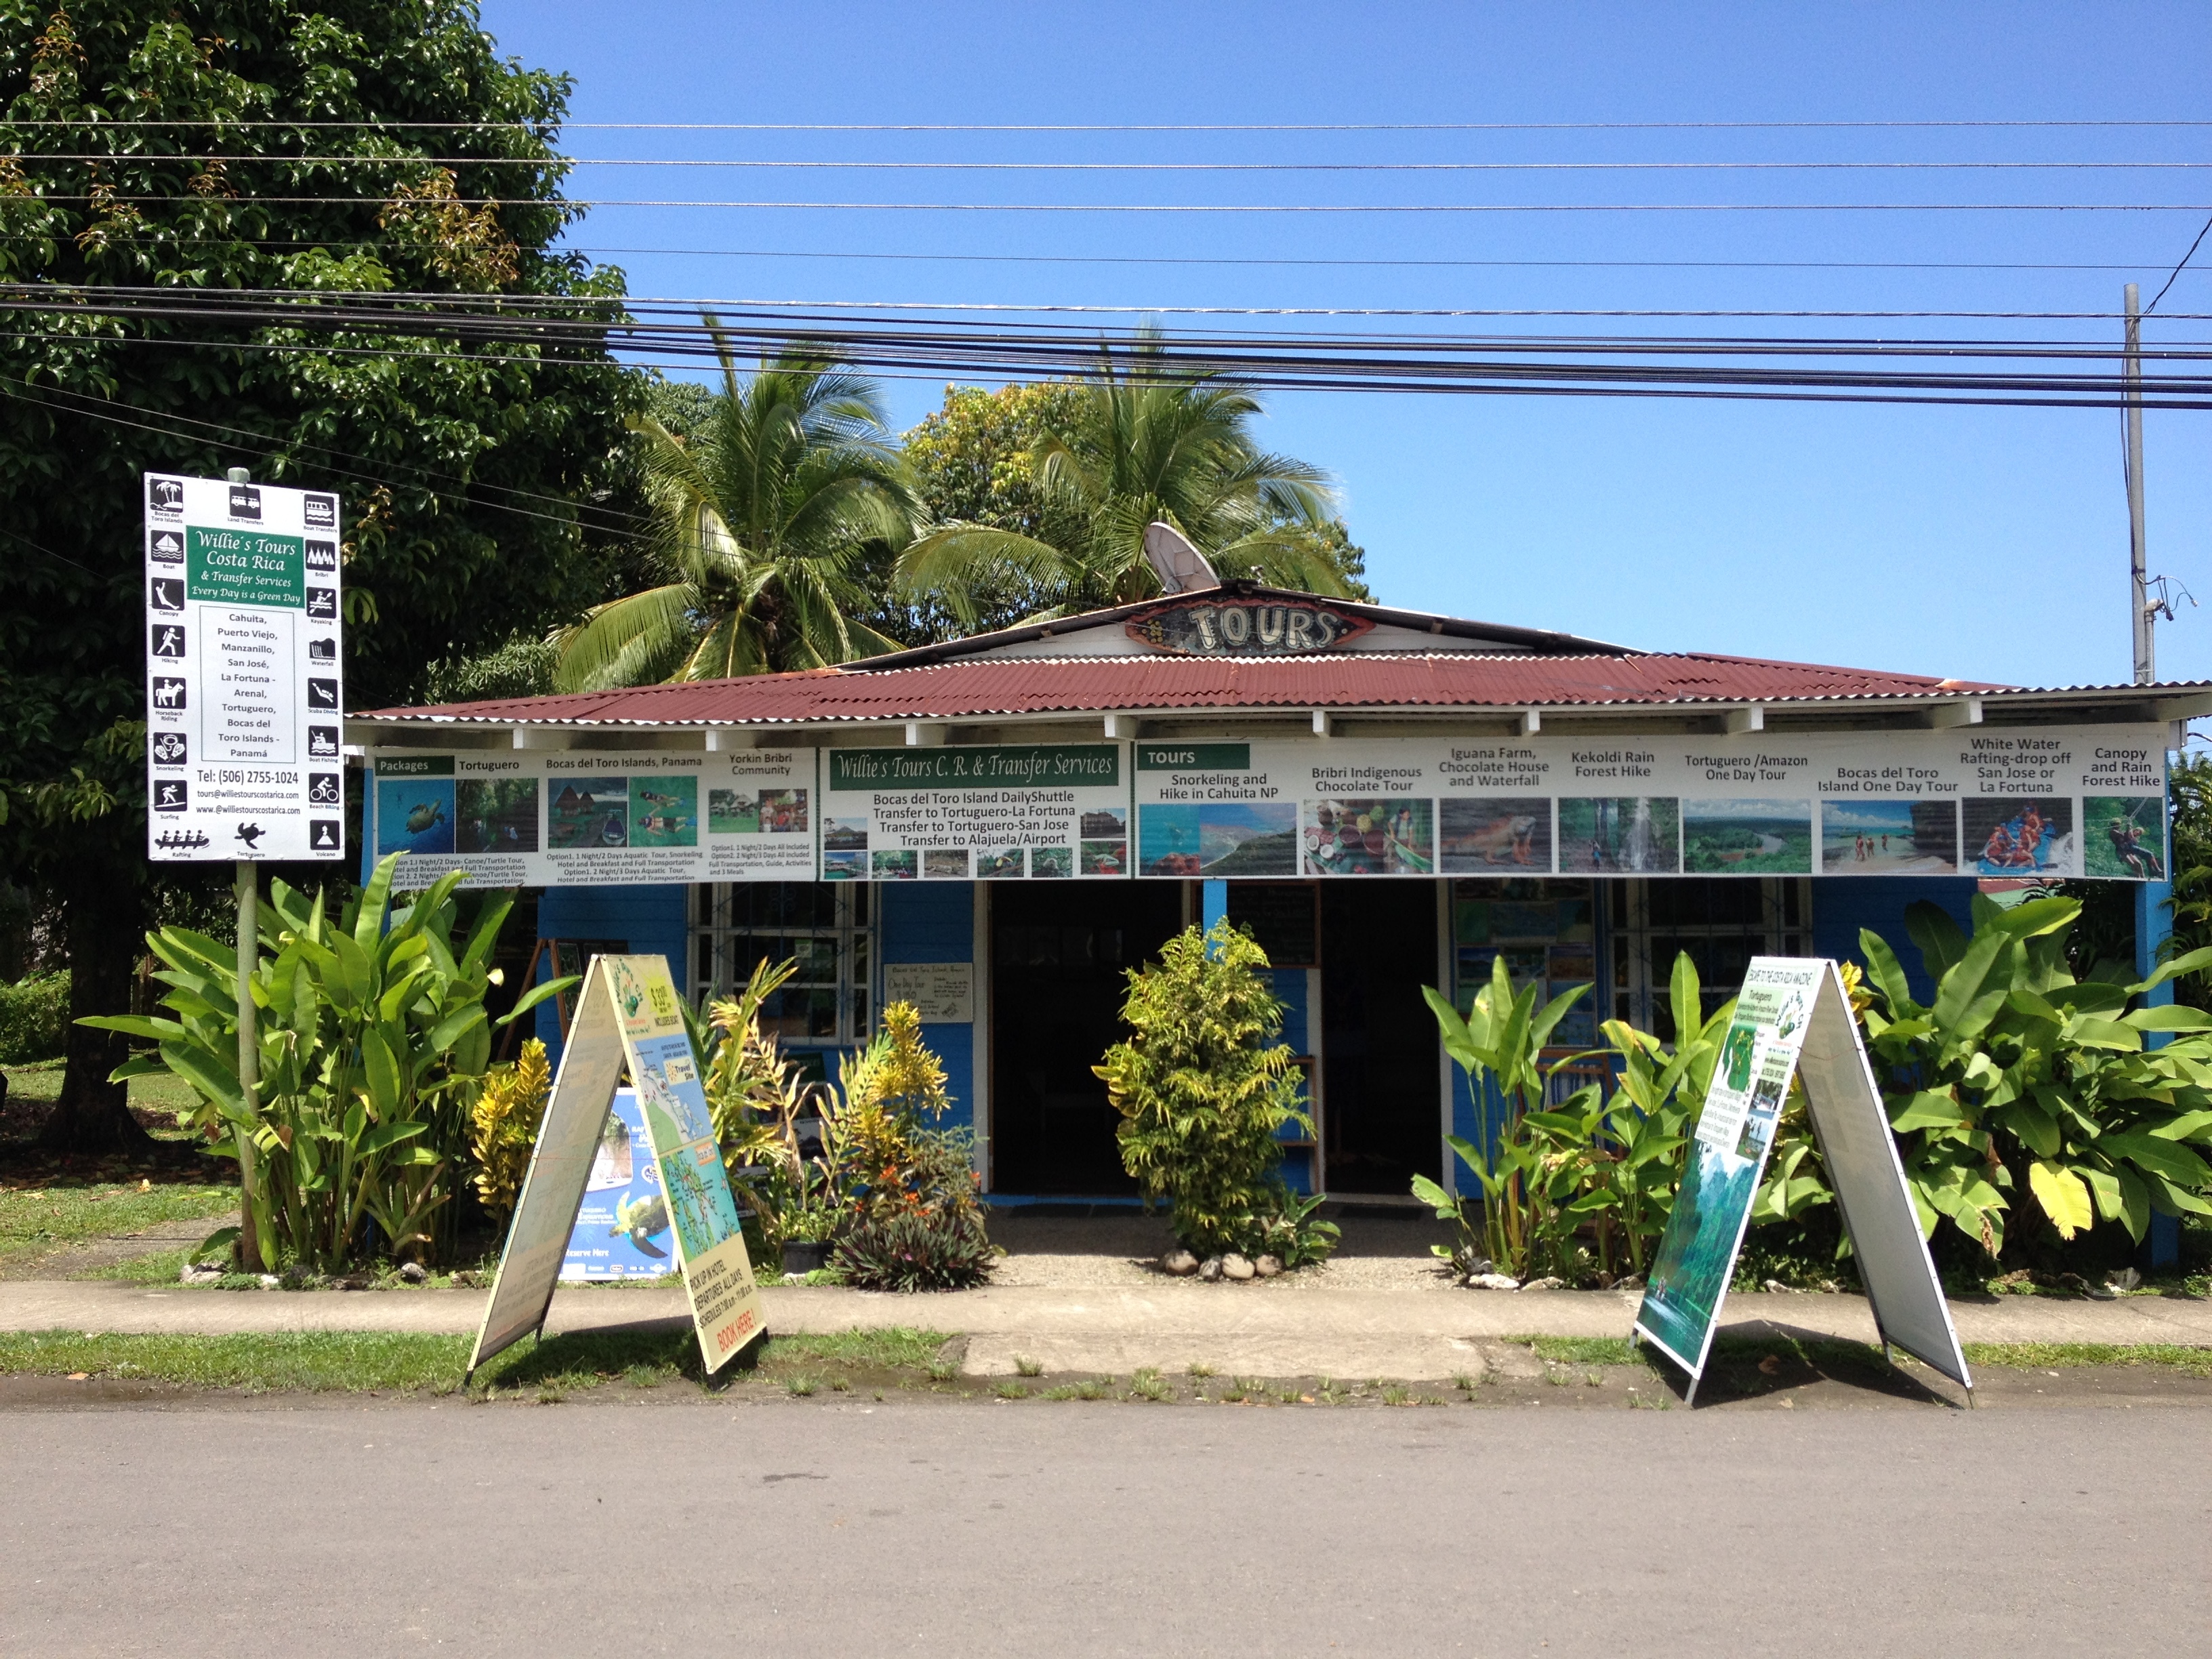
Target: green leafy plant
{"points": [[1204, 1087], [503, 1122], [1287, 1228], [33, 1017], [372, 1039], [2021, 1081]]}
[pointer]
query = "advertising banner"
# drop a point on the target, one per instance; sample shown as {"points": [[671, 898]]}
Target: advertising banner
{"points": [[1792, 1013], [622, 1226], [2041, 802], [627, 1013], [581, 817], [244, 688], [1012, 812]]}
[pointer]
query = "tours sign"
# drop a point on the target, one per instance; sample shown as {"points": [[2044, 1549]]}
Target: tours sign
{"points": [[244, 689], [628, 1015], [1793, 1022], [2037, 803]]}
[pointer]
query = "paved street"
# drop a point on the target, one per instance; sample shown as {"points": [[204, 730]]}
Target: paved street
{"points": [[306, 1525]]}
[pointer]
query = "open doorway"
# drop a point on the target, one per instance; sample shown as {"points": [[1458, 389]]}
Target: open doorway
{"points": [[1378, 1052], [1058, 952]]}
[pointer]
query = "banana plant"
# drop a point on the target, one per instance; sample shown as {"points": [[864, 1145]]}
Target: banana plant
{"points": [[2018, 1076], [371, 1036], [1500, 1043]]}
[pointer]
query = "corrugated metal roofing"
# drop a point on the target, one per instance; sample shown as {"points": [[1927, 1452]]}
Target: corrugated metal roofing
{"points": [[1002, 687]]}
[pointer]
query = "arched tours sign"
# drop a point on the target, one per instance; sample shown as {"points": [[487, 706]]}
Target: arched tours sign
{"points": [[627, 1013], [1794, 1019]]}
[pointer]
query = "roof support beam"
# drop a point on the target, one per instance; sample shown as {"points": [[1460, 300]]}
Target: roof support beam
{"points": [[1324, 724], [1122, 725], [1966, 711], [541, 737], [1753, 718], [926, 734], [721, 739], [1531, 722]]}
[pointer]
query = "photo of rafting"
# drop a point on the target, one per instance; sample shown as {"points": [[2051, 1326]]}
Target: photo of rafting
{"points": [[1889, 838], [2123, 835], [1747, 837], [1629, 835], [1509, 834], [1222, 838], [1370, 837], [2020, 836]]}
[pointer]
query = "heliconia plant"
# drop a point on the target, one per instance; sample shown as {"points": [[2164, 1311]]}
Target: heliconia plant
{"points": [[371, 1038]]}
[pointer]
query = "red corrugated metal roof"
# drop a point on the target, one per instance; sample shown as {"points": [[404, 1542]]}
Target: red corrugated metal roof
{"points": [[981, 688]]}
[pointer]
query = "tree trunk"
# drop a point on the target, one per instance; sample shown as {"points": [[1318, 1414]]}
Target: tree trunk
{"points": [[103, 924]]}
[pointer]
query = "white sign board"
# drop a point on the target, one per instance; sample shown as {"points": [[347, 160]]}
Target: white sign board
{"points": [[985, 812], [940, 991], [244, 688], [595, 817]]}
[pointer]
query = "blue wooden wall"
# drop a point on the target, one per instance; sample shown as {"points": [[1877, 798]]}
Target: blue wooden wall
{"points": [[935, 921], [652, 920]]}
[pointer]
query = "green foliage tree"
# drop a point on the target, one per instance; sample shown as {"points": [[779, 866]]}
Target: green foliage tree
{"points": [[1204, 1087], [1140, 441], [761, 517], [243, 145]]}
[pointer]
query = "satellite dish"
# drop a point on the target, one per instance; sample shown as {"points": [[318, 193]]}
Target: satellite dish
{"points": [[1181, 567]]}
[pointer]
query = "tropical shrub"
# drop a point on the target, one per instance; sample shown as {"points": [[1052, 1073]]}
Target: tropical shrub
{"points": [[2020, 1084], [372, 1039], [503, 1122], [1204, 1085], [757, 1097], [1595, 1163], [911, 1220], [33, 1017]]}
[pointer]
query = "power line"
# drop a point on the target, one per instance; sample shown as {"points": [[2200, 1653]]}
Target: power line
{"points": [[2185, 258], [567, 203], [202, 158], [555, 125]]}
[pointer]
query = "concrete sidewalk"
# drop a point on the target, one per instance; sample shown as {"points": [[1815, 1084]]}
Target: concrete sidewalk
{"points": [[1255, 1330]]}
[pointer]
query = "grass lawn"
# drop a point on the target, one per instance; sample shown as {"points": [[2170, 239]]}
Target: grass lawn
{"points": [[1839, 1354], [35, 1219], [409, 1363], [41, 1081]]}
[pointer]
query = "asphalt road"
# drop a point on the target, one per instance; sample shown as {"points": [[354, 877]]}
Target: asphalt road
{"points": [[294, 1527]]}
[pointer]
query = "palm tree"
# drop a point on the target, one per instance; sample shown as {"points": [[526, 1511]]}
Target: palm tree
{"points": [[1147, 441], [760, 516]]}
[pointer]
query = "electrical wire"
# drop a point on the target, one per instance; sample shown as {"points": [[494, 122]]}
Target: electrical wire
{"points": [[203, 158], [575, 204], [557, 124]]}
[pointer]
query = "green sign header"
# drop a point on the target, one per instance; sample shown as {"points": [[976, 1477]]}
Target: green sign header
{"points": [[1193, 757], [414, 766], [1031, 766], [245, 566]]}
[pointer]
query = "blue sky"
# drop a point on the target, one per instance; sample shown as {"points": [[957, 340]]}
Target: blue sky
{"points": [[1982, 543]]}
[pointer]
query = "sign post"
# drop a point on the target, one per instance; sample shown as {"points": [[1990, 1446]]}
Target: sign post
{"points": [[627, 1014], [243, 696], [1794, 1019]]}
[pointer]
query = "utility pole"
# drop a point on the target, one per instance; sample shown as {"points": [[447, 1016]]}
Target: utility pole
{"points": [[2132, 455]]}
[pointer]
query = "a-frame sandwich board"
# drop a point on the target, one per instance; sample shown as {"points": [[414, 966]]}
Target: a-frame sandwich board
{"points": [[627, 1013], [1793, 1018]]}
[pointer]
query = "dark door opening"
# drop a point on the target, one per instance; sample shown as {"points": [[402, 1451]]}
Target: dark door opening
{"points": [[1379, 1074], [1058, 952]]}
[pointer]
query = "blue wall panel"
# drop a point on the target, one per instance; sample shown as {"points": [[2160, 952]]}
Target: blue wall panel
{"points": [[651, 919], [1844, 904], [935, 921]]}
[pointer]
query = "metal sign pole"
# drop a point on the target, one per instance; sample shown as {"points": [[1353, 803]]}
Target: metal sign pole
{"points": [[249, 1061]]}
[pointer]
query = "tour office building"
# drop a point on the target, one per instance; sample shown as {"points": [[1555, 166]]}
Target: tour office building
{"points": [[999, 828]]}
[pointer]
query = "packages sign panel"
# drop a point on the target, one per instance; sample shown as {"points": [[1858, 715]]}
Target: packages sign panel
{"points": [[987, 813], [2033, 803], [584, 817], [244, 687]]}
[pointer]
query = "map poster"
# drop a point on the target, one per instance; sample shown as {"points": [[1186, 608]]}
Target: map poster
{"points": [[593, 816], [702, 1213], [627, 1014], [1696, 1252], [1027, 812]]}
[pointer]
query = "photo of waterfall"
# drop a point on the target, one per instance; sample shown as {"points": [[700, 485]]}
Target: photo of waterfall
{"points": [[1620, 835]]}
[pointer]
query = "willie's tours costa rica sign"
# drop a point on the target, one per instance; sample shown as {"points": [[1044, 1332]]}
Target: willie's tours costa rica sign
{"points": [[244, 690]]}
